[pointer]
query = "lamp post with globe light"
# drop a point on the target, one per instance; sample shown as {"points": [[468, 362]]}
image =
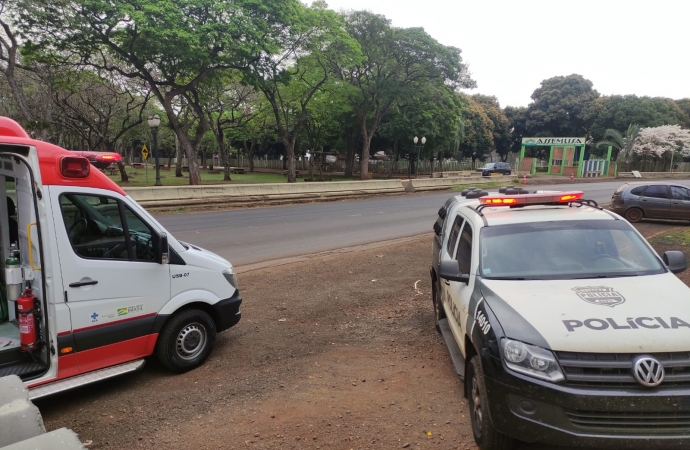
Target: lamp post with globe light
{"points": [[154, 122], [419, 146]]}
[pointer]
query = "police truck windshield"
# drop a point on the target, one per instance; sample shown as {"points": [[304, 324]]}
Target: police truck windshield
{"points": [[565, 250]]}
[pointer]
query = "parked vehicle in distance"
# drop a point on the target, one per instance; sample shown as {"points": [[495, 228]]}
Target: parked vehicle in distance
{"points": [[651, 200], [99, 160], [499, 167]]}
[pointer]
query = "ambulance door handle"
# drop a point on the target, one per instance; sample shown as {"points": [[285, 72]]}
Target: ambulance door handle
{"points": [[83, 283], [446, 282]]}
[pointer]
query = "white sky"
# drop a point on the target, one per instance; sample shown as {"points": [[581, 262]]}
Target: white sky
{"points": [[637, 47]]}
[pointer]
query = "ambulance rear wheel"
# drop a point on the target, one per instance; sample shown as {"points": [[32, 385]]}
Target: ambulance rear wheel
{"points": [[186, 340]]}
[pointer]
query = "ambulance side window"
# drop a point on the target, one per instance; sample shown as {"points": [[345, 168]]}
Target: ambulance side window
{"points": [[464, 255], [140, 234], [94, 226]]}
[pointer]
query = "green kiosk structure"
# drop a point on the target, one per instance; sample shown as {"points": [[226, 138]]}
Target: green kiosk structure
{"points": [[563, 152]]}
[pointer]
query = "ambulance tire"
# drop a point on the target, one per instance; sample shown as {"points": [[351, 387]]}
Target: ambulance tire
{"points": [[186, 340], [485, 435]]}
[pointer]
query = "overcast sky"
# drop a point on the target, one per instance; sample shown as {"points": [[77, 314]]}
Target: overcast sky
{"points": [[637, 47]]}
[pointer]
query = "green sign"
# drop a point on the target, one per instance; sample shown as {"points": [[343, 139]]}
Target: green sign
{"points": [[553, 141]]}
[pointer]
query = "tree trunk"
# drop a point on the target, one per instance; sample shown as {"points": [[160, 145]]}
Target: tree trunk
{"points": [[191, 152], [290, 149], [350, 140], [394, 160], [364, 159], [178, 158], [250, 154], [123, 174], [226, 163]]}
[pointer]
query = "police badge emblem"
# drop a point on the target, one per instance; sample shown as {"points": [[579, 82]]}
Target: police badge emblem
{"points": [[600, 295]]}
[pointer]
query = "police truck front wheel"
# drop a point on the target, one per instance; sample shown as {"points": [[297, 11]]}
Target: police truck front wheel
{"points": [[186, 340], [485, 435]]}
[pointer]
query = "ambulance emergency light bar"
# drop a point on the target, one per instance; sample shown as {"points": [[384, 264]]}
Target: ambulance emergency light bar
{"points": [[531, 199]]}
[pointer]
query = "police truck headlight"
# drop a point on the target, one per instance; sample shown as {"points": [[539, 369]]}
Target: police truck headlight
{"points": [[530, 360], [231, 276]]}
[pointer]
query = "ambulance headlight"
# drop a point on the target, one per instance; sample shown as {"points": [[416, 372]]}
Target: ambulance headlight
{"points": [[530, 360], [231, 276]]}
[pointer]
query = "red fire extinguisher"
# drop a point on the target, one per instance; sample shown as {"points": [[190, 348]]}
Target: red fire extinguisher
{"points": [[27, 320]]}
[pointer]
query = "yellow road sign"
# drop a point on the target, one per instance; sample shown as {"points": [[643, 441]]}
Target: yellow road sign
{"points": [[144, 152]]}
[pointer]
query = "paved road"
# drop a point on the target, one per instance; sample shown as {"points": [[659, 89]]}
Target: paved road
{"points": [[249, 236]]}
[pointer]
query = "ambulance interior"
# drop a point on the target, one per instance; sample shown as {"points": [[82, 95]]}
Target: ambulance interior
{"points": [[19, 238]]}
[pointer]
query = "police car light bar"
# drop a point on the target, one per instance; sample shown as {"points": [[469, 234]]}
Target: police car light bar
{"points": [[532, 199]]}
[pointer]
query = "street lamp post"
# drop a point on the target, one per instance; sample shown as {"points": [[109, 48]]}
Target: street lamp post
{"points": [[154, 122], [419, 147]]}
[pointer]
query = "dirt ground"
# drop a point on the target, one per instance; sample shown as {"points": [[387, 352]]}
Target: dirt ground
{"points": [[337, 352]]}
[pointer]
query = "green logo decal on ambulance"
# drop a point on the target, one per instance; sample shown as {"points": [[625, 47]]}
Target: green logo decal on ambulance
{"points": [[600, 295]]}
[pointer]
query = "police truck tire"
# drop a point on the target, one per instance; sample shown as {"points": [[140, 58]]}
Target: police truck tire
{"points": [[186, 340], [634, 215], [485, 435]]}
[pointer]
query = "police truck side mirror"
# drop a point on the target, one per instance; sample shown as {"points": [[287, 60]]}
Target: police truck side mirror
{"points": [[450, 270], [675, 261], [163, 249]]}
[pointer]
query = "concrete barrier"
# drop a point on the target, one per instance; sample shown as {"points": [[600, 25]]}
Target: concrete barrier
{"points": [[169, 196], [21, 424], [431, 184]]}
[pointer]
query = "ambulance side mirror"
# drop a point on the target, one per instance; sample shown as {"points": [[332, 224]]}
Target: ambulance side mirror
{"points": [[163, 249], [675, 261], [450, 270]]}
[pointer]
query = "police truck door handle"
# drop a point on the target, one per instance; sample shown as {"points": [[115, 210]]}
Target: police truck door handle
{"points": [[83, 283], [447, 282]]}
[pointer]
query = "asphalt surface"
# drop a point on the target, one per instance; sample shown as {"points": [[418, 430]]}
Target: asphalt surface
{"points": [[255, 235]]}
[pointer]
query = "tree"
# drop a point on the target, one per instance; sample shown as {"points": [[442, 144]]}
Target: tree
{"points": [[501, 125], [299, 68], [395, 61], [517, 116], [618, 111], [559, 107], [623, 144], [478, 130], [658, 140], [171, 45]]}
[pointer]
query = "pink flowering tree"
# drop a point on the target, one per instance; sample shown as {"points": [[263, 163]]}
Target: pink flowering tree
{"points": [[658, 141]]}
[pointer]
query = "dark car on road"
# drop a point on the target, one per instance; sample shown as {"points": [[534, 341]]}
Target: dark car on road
{"points": [[652, 200], [499, 167]]}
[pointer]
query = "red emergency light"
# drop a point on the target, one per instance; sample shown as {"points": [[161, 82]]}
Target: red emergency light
{"points": [[75, 167], [531, 199]]}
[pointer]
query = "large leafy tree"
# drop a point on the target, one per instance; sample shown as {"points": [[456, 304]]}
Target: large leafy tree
{"points": [[300, 68], [559, 107], [501, 125], [171, 45], [395, 61], [618, 111], [478, 139]]}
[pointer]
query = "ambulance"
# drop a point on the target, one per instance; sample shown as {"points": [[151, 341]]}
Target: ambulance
{"points": [[92, 284]]}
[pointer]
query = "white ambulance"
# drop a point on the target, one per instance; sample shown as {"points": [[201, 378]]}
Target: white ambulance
{"points": [[92, 284]]}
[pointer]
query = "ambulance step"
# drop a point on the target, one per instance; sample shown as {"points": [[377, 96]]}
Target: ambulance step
{"points": [[455, 354], [22, 369], [80, 380]]}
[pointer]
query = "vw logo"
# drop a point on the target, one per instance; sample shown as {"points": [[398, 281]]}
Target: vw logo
{"points": [[648, 372]]}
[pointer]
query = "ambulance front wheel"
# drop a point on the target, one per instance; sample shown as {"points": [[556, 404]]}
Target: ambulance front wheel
{"points": [[186, 340]]}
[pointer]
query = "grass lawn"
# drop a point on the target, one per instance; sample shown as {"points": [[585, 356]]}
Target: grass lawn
{"points": [[674, 238], [138, 178], [491, 184]]}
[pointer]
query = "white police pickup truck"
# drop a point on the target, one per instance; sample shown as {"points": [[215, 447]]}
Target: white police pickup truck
{"points": [[565, 325]]}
